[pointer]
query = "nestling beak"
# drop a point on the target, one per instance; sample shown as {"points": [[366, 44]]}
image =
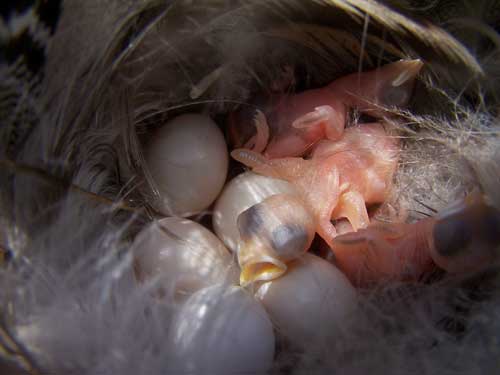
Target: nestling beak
{"points": [[273, 232], [405, 70], [396, 81], [389, 85], [258, 263]]}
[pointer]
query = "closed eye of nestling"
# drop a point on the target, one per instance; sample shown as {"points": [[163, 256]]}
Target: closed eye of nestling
{"points": [[288, 239]]}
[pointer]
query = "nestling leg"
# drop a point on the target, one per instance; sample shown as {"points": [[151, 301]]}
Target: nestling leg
{"points": [[352, 206], [321, 189], [285, 168]]}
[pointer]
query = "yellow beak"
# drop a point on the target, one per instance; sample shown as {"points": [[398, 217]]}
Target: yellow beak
{"points": [[258, 263]]}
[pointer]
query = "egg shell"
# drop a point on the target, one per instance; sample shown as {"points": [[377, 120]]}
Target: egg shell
{"points": [[181, 257], [241, 193], [187, 159], [310, 302], [221, 330]]}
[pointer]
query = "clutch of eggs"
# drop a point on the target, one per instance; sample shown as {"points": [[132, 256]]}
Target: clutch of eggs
{"points": [[187, 160], [219, 327]]}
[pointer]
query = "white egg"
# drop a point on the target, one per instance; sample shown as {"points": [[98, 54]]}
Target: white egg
{"points": [[187, 160], [220, 330], [241, 193], [179, 257], [310, 302]]}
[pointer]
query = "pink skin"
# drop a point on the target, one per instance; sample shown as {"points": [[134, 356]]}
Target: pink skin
{"points": [[346, 169], [297, 122], [461, 239], [385, 252], [340, 178]]}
